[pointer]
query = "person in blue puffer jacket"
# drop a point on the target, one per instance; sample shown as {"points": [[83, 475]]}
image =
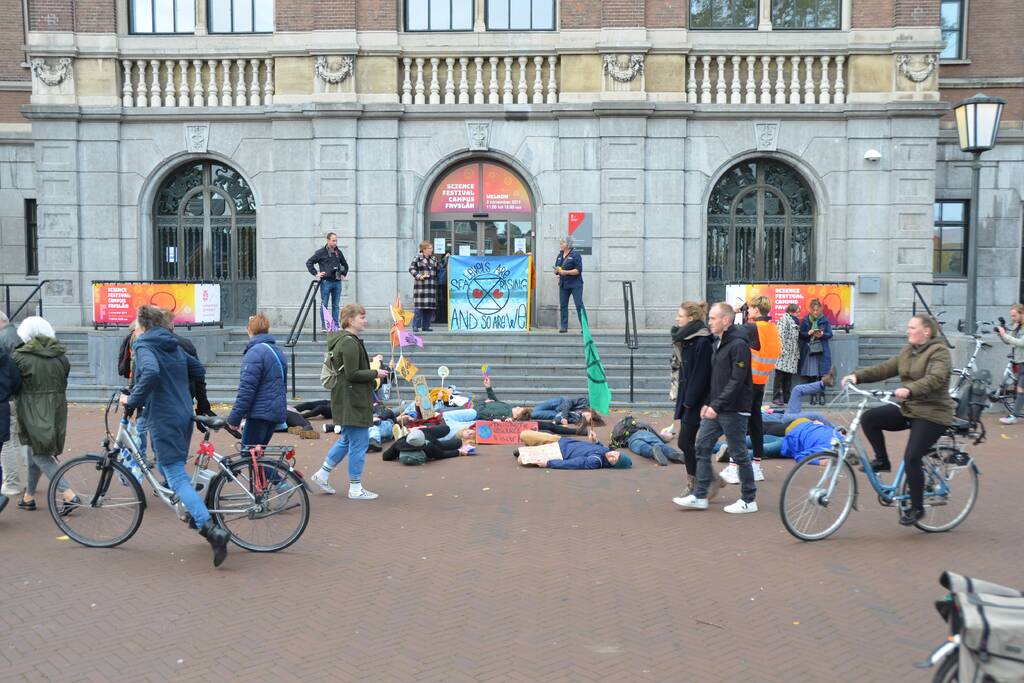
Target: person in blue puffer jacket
{"points": [[262, 391], [807, 437]]}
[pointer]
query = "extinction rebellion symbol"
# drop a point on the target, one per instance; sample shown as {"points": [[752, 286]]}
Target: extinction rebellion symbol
{"points": [[487, 293]]}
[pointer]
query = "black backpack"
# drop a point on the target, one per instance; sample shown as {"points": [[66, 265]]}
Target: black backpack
{"points": [[625, 428]]}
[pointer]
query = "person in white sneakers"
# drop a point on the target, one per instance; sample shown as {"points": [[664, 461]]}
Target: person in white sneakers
{"points": [[351, 402], [1015, 338], [727, 412]]}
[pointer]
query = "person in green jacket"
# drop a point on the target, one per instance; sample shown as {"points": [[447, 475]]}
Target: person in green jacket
{"points": [[42, 405], [924, 368], [351, 403], [493, 409]]}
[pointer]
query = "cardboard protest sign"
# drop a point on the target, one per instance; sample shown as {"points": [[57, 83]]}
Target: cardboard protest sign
{"points": [[419, 384], [500, 432], [539, 455]]}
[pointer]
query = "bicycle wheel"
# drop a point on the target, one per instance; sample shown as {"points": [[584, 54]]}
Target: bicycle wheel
{"points": [[108, 504], [259, 519], [806, 512], [949, 670], [944, 512]]}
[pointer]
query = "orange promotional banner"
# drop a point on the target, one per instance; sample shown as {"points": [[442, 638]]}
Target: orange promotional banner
{"points": [[837, 298], [116, 303]]}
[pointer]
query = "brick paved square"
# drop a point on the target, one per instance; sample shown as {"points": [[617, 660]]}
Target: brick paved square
{"points": [[478, 570]]}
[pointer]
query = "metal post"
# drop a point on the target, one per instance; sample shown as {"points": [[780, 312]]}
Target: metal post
{"points": [[294, 394], [631, 375], [314, 315], [972, 247]]}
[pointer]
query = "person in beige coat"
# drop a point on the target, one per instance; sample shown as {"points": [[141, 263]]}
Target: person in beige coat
{"points": [[923, 367]]}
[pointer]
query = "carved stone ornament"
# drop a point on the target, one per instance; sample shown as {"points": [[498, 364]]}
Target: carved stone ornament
{"points": [[197, 137], [52, 75], [333, 70], [479, 134], [623, 73], [766, 135], [916, 68]]}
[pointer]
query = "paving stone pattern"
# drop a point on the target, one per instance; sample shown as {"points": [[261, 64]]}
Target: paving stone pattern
{"points": [[478, 570]]}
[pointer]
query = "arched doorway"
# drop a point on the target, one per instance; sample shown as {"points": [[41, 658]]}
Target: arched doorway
{"points": [[204, 221], [760, 226], [481, 208]]}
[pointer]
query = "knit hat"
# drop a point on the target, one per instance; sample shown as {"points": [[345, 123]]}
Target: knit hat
{"points": [[794, 423], [412, 458], [415, 438], [624, 462]]}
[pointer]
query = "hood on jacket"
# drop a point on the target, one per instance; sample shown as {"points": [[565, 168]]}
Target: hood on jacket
{"points": [[45, 347], [919, 348], [265, 338], [158, 339]]}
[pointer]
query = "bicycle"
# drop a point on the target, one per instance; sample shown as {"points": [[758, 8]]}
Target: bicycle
{"points": [[250, 496], [824, 482]]}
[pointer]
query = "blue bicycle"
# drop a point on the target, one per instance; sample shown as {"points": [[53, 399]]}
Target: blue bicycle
{"points": [[820, 491]]}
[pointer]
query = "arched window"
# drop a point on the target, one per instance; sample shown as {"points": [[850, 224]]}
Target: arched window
{"points": [[205, 229], [760, 226]]}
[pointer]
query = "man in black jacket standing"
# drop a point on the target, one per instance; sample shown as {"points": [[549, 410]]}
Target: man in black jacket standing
{"points": [[328, 265], [727, 412]]}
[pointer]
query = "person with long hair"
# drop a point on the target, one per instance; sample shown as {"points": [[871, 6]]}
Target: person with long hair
{"points": [[926, 409], [1015, 338], [351, 403]]}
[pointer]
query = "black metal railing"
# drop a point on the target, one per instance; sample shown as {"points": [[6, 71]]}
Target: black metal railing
{"points": [[13, 313], [299, 324], [918, 296], [632, 339]]}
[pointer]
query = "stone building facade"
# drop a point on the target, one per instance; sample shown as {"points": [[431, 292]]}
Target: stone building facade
{"points": [[706, 146]]}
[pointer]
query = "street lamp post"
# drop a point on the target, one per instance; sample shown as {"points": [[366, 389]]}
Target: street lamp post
{"points": [[977, 124]]}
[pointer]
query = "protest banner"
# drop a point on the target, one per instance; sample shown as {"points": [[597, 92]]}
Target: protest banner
{"points": [[539, 455], [489, 293], [500, 432], [419, 385], [193, 303], [837, 298]]}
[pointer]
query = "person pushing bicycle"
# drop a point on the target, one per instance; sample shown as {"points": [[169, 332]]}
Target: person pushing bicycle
{"points": [[926, 409], [162, 375]]}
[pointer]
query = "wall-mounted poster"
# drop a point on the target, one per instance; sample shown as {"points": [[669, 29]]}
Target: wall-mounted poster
{"points": [[195, 303], [481, 187], [837, 298]]}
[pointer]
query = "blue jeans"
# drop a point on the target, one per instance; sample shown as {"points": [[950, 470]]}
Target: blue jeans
{"points": [[546, 410], [330, 289], [381, 431], [801, 390], [734, 427], [422, 318], [258, 432], [179, 481], [142, 428], [772, 446], [353, 442], [644, 443], [563, 304]]}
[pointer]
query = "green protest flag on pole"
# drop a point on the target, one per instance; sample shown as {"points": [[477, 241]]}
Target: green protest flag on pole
{"points": [[597, 382]]}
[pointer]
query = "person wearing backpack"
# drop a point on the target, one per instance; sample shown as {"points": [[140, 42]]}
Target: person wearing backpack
{"points": [[262, 391], [644, 440], [351, 401]]}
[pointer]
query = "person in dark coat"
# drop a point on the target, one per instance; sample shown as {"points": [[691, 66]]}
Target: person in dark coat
{"points": [[424, 290], [162, 373], [262, 390], [329, 267], [576, 453], [726, 412], [569, 269], [10, 384], [11, 449], [693, 347], [815, 352]]}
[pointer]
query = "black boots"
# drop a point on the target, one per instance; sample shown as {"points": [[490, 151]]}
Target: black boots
{"points": [[218, 539], [879, 465], [911, 516]]}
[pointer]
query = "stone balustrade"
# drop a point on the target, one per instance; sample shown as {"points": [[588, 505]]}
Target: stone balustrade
{"points": [[193, 82], [479, 80], [763, 79]]}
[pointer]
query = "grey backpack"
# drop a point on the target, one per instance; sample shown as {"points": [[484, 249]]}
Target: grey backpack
{"points": [[328, 373]]}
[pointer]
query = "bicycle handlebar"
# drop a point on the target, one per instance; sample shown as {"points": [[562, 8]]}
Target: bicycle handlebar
{"points": [[883, 396]]}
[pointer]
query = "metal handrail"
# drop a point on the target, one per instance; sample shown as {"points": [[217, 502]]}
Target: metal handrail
{"points": [[7, 297], [920, 297], [295, 334], [632, 339]]}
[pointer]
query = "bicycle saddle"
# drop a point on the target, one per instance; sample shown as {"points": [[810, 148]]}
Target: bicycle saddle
{"points": [[210, 422]]}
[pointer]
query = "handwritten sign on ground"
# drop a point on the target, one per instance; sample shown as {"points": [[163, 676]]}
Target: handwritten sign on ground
{"points": [[489, 293], [500, 432]]}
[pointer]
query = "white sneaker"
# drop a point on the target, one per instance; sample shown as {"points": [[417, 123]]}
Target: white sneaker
{"points": [[758, 472], [741, 507], [731, 474], [362, 494], [322, 482], [668, 433], [1009, 420], [691, 502]]}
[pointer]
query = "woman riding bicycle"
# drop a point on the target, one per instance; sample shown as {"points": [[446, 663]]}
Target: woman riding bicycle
{"points": [[1015, 338], [926, 409], [162, 374]]}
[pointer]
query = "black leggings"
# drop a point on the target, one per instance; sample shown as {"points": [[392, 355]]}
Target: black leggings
{"points": [[433, 449], [553, 427], [321, 408], [923, 435], [688, 445]]}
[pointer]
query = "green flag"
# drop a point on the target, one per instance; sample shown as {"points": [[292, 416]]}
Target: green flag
{"points": [[597, 383]]}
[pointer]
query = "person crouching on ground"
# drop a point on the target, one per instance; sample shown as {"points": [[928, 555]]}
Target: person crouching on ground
{"points": [[727, 412], [576, 454], [162, 374], [351, 403]]}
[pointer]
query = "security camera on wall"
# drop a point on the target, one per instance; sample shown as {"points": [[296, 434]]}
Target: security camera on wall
{"points": [[872, 155]]}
